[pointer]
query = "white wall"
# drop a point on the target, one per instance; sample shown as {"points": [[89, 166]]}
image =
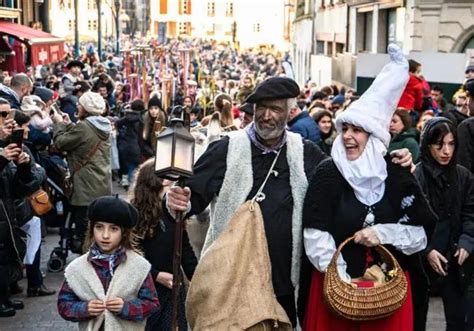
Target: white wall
{"points": [[302, 50], [435, 66]]}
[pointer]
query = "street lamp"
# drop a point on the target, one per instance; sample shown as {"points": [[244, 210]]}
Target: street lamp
{"points": [[76, 29], [175, 149], [174, 160], [117, 25], [99, 28]]}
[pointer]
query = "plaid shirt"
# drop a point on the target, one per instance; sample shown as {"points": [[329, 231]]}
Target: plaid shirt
{"points": [[73, 309]]}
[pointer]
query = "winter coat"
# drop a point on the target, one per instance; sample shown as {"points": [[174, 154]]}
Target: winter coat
{"points": [[11, 96], [455, 116], [465, 151], [412, 97], [450, 191], [305, 126], [129, 138], [406, 139], [16, 182], [93, 179]]}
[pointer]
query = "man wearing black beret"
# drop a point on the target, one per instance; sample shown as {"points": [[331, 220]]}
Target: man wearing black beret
{"points": [[233, 169]]}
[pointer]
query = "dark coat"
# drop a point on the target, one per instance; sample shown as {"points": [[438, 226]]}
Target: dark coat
{"points": [[453, 202], [455, 116], [465, 151], [158, 251], [129, 138], [304, 125], [16, 182]]}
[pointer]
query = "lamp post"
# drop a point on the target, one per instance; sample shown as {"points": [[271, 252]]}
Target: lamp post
{"points": [[117, 25], [99, 28], [174, 160], [76, 29]]}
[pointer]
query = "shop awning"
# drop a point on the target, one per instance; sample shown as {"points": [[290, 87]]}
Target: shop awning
{"points": [[45, 48]]}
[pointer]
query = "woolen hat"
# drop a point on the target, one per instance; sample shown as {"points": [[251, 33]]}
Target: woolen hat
{"points": [[75, 63], [373, 111], [154, 102], [44, 93], [112, 209], [274, 88], [93, 103], [469, 67]]}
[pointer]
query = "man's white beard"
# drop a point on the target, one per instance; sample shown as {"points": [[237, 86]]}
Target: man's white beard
{"points": [[269, 134]]}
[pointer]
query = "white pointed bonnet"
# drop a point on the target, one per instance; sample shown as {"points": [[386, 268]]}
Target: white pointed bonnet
{"points": [[374, 109]]}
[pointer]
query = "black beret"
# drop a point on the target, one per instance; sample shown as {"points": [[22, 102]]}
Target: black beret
{"points": [[274, 88], [75, 63], [112, 209], [247, 108], [469, 87]]}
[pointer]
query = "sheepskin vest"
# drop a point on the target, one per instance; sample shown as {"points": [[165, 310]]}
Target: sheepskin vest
{"points": [[238, 182], [126, 282]]}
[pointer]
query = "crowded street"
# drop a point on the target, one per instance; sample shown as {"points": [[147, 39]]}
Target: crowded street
{"points": [[237, 165]]}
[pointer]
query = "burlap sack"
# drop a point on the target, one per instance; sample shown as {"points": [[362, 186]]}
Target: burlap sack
{"points": [[232, 286]]}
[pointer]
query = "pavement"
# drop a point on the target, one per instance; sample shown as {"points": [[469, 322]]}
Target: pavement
{"points": [[40, 314]]}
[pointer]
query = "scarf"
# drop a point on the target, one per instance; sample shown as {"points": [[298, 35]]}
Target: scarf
{"points": [[96, 254], [366, 175], [252, 133]]}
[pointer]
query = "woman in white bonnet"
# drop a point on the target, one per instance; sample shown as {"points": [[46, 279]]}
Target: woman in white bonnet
{"points": [[362, 193]]}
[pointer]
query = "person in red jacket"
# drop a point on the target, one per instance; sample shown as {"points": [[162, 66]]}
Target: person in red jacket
{"points": [[412, 97]]}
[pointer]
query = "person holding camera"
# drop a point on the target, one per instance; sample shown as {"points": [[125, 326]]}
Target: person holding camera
{"points": [[17, 181], [87, 144]]}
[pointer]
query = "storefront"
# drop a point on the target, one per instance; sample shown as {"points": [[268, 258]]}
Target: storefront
{"points": [[42, 47]]}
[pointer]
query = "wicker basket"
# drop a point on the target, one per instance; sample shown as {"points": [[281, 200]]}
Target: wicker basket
{"points": [[364, 304]]}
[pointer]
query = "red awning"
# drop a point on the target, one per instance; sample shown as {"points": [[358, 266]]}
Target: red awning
{"points": [[45, 48]]}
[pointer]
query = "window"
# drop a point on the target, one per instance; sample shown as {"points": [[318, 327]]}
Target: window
{"points": [[186, 7], [229, 9], [211, 9], [91, 4], [163, 7], [256, 27], [184, 28], [92, 25], [71, 24]]}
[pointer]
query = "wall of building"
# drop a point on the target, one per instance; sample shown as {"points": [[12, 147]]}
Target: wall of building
{"points": [[442, 26], [63, 21]]}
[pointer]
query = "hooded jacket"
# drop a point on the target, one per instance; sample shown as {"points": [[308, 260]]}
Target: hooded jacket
{"points": [[406, 139], [94, 177], [11, 96], [450, 191]]}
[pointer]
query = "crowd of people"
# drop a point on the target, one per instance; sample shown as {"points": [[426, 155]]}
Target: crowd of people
{"points": [[393, 166]]}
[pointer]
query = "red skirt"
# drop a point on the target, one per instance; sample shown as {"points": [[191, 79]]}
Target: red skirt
{"points": [[319, 318]]}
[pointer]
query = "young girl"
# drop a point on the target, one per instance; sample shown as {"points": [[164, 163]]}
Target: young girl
{"points": [[157, 239], [110, 287]]}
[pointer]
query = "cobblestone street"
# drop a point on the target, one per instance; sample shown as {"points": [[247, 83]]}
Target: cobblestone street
{"points": [[40, 314]]}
